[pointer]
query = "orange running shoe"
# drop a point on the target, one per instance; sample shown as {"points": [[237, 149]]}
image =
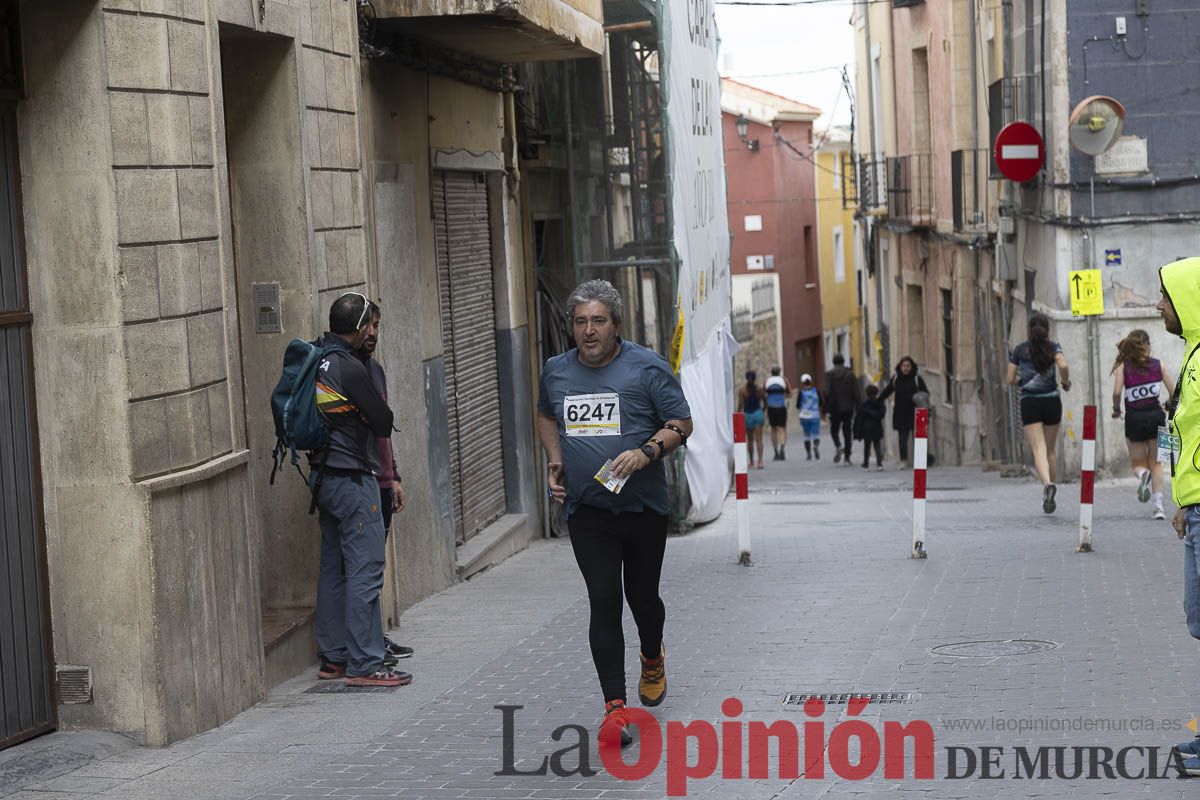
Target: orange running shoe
{"points": [[652, 687]]}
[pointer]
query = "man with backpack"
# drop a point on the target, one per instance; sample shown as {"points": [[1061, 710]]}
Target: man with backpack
{"points": [[343, 473]]}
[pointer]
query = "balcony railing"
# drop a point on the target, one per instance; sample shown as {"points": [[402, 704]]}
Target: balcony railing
{"points": [[975, 191], [910, 199], [871, 183]]}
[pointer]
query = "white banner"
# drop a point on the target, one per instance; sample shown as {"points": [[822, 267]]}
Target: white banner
{"points": [[701, 236], [701, 227]]}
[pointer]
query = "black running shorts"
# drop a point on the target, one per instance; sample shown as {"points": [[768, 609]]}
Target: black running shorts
{"points": [[1046, 410], [1142, 424], [777, 417]]}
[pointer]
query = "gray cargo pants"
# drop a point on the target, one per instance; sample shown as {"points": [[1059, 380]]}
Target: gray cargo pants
{"points": [[349, 630]]}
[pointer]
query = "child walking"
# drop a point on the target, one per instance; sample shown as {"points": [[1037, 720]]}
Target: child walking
{"points": [[869, 421], [809, 404]]}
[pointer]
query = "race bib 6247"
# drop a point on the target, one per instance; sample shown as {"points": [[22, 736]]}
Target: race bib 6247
{"points": [[592, 414]]}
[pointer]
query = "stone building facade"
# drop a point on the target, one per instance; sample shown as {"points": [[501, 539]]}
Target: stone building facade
{"points": [[198, 180]]}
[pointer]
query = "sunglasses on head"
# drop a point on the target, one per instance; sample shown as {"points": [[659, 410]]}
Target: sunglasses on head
{"points": [[366, 307]]}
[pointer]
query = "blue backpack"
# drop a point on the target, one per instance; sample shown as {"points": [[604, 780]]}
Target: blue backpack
{"points": [[298, 423]]}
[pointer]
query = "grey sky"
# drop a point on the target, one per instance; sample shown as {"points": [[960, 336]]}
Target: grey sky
{"points": [[762, 42]]}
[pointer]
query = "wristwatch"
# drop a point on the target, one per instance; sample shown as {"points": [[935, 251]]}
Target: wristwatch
{"points": [[647, 451]]}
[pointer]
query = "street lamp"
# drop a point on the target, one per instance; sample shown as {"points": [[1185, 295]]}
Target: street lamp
{"points": [[743, 129]]}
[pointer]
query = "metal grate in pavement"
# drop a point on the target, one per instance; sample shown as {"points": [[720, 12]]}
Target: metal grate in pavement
{"points": [[994, 648], [337, 687], [844, 698]]}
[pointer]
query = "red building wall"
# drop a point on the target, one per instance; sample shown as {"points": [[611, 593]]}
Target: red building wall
{"points": [[779, 185]]}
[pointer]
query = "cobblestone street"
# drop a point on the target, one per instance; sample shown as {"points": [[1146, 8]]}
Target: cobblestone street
{"points": [[832, 603]]}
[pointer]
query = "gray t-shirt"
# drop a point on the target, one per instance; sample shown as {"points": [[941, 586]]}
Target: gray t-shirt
{"points": [[603, 412], [1032, 382]]}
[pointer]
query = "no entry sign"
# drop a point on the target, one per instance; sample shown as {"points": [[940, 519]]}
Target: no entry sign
{"points": [[1019, 151]]}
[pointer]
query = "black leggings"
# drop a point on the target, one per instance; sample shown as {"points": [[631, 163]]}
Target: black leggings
{"points": [[604, 543], [903, 434], [841, 423]]}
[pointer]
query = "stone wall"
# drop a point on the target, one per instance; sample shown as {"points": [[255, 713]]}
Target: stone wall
{"points": [[759, 354], [149, 487]]}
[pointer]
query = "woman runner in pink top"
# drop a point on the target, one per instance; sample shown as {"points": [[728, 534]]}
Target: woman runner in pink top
{"points": [[1139, 381]]}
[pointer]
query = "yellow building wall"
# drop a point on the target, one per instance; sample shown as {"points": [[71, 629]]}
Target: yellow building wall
{"points": [[839, 300]]}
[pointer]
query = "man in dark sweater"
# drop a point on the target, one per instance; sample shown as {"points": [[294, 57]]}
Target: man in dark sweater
{"points": [[842, 397], [348, 626]]}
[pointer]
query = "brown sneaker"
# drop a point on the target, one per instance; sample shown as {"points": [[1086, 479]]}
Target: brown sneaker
{"points": [[614, 729], [382, 677], [652, 687], [331, 670]]}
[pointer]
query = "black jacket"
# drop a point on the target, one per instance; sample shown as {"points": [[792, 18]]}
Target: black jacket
{"points": [[904, 387], [868, 422], [842, 391], [354, 412]]}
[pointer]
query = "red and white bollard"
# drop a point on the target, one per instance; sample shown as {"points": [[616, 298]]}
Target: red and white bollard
{"points": [[1087, 480], [920, 463], [740, 461]]}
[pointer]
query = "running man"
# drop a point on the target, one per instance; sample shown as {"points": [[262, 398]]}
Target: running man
{"points": [[611, 409], [779, 390]]}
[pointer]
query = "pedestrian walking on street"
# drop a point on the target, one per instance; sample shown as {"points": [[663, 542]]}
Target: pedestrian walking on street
{"points": [[811, 413], [1139, 380], [1032, 365], [909, 387], [779, 390], [609, 411], [842, 397], [391, 492], [868, 427], [348, 625], [1180, 310], [751, 400]]}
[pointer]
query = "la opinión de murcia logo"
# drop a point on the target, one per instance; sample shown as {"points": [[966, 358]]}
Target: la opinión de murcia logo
{"points": [[736, 749], [740, 749]]}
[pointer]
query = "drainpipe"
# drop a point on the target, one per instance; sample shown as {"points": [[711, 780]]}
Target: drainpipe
{"points": [[870, 222]]}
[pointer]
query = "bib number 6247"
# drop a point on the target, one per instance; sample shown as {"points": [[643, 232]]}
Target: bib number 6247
{"points": [[592, 414]]}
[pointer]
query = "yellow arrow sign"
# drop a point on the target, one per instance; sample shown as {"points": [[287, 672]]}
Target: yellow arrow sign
{"points": [[1087, 292]]}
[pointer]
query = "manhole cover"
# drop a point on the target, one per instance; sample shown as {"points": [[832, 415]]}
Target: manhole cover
{"points": [[843, 698], [955, 500], [993, 649], [796, 503]]}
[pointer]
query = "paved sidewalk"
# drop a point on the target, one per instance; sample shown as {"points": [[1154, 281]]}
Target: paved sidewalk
{"points": [[832, 604]]}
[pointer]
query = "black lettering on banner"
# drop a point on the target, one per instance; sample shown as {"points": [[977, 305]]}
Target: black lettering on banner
{"points": [[611, 408], [700, 13], [702, 106], [598, 411]]}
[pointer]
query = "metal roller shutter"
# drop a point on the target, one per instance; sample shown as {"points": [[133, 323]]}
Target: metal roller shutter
{"points": [[464, 254], [26, 688]]}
